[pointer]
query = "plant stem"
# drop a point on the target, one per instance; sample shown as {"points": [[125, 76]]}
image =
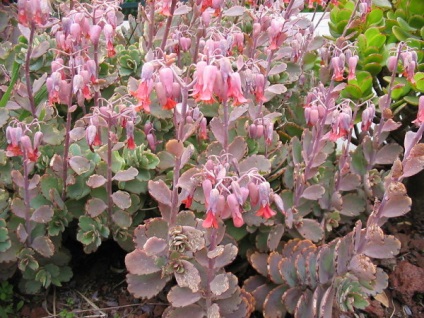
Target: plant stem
{"points": [[226, 124], [168, 25], [27, 66], [27, 199], [67, 135], [109, 168]]}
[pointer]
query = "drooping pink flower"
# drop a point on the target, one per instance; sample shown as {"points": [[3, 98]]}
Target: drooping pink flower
{"points": [[144, 88], [234, 89], [204, 92], [234, 207], [338, 67], [420, 113], [341, 124], [13, 136], [367, 117], [109, 33], [352, 61], [276, 34], [264, 192]]}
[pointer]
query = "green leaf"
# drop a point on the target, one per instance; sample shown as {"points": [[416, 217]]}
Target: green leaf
{"points": [[419, 81], [382, 3], [374, 17]]}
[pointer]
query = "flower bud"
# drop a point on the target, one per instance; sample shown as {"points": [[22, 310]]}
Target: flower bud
{"points": [[95, 32]]}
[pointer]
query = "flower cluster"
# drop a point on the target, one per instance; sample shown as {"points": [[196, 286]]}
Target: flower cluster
{"points": [[110, 117], [338, 63], [74, 70], [33, 12], [226, 193], [20, 144]]}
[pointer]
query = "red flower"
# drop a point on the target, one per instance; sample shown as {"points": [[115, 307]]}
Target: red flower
{"points": [[130, 143], [210, 221], [188, 201], [266, 212]]}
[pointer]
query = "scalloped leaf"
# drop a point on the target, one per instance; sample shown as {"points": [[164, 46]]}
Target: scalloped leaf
{"points": [[291, 297], [160, 191], [388, 154], [122, 218], [305, 306], [313, 192], [139, 263], [125, 175], [273, 305], [397, 205], [255, 161], [95, 207], [274, 236], [325, 264], [227, 257], [259, 262], [288, 272], [19, 208], [155, 246], [310, 229], [79, 164], [43, 214], [43, 245], [352, 204], [96, 181], [274, 273], [190, 277], [388, 247], [182, 296], [121, 199], [219, 284], [326, 305], [146, 286], [192, 311]]}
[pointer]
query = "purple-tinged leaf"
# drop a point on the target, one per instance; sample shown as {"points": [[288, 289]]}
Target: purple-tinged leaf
{"points": [[274, 259], [326, 305], [291, 297], [56, 163], [311, 267], [155, 246], [237, 112], [343, 253], [182, 9], [396, 206], [219, 284], [238, 148], [189, 277], [260, 293], [217, 129], [43, 245], [288, 272], [255, 161], [157, 227], [18, 178], [310, 229], [139, 263], [79, 164], [300, 265], [165, 211], [388, 247], [353, 204], [325, 264], [313, 192], [121, 199], [122, 218], [229, 305], [160, 191], [276, 89], [96, 181], [227, 257], [33, 183], [274, 236], [19, 208], [95, 207], [304, 307], [362, 267], [234, 11], [21, 233], [185, 181], [182, 296], [166, 160], [412, 165], [146, 286], [175, 148], [381, 282], [43, 214], [253, 282], [192, 311], [77, 133], [277, 69], [126, 175], [350, 182], [273, 304], [316, 299], [187, 153], [388, 154], [259, 262], [232, 286], [390, 125]]}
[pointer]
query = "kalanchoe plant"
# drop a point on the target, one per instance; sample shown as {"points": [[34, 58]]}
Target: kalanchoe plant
{"points": [[209, 132]]}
